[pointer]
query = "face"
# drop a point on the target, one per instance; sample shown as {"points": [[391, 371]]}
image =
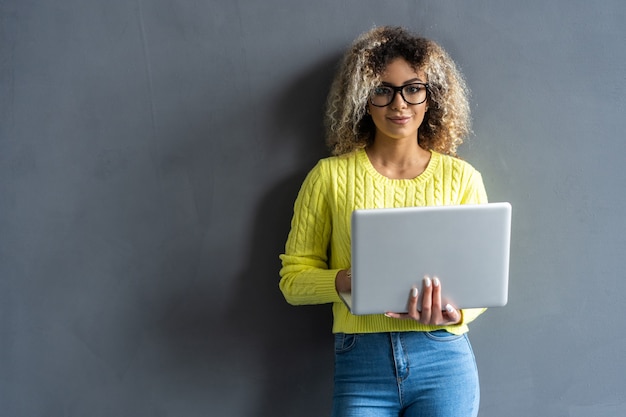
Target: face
{"points": [[399, 120]]}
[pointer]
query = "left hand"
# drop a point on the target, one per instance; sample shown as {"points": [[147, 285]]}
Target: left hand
{"points": [[432, 313]]}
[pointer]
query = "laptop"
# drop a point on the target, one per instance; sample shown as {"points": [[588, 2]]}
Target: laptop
{"points": [[467, 247]]}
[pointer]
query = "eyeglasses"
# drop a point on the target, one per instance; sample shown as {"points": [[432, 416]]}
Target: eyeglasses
{"points": [[414, 93]]}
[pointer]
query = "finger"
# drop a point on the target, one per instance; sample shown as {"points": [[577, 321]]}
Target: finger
{"points": [[427, 295], [436, 316], [402, 316], [412, 305], [452, 315]]}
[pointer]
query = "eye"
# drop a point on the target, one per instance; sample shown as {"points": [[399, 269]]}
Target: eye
{"points": [[413, 88], [381, 91]]}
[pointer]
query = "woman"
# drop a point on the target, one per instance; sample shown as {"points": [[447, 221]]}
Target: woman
{"points": [[396, 113]]}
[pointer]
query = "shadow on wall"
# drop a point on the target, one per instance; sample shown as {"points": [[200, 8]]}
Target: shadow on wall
{"points": [[296, 341], [275, 358]]}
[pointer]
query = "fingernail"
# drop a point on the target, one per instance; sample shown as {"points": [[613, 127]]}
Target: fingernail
{"points": [[436, 282], [427, 282], [414, 292], [449, 308]]}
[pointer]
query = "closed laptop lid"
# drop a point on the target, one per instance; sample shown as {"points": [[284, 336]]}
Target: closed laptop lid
{"points": [[467, 247]]}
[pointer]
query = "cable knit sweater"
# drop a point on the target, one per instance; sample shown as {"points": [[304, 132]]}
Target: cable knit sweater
{"points": [[318, 245]]}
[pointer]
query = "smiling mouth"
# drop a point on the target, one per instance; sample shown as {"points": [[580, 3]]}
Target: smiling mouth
{"points": [[400, 120]]}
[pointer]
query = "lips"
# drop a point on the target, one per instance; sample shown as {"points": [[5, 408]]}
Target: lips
{"points": [[400, 120]]}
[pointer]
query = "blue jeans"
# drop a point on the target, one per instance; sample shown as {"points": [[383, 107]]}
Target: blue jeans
{"points": [[409, 374]]}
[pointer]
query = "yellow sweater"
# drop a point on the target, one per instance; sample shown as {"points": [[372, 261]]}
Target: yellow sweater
{"points": [[318, 245]]}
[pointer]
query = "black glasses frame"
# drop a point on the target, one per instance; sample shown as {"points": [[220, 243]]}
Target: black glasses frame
{"points": [[399, 90]]}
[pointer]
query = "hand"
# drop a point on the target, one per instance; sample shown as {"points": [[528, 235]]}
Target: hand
{"points": [[343, 281], [432, 312]]}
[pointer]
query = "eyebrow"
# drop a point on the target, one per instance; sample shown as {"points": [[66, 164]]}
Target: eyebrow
{"points": [[411, 81]]}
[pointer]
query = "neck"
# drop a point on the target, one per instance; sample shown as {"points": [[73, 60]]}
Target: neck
{"points": [[398, 159]]}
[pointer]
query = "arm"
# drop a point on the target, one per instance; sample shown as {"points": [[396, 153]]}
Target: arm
{"points": [[305, 277], [475, 193]]}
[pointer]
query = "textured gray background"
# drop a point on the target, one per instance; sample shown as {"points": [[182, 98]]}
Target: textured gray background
{"points": [[150, 153]]}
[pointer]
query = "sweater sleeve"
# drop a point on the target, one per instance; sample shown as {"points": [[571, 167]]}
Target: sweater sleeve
{"points": [[474, 194], [305, 277], [474, 189]]}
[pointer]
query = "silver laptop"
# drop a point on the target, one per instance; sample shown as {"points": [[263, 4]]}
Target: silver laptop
{"points": [[467, 247]]}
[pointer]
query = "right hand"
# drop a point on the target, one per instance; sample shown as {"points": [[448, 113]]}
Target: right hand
{"points": [[343, 281]]}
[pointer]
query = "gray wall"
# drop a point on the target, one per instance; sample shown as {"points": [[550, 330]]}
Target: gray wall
{"points": [[150, 153]]}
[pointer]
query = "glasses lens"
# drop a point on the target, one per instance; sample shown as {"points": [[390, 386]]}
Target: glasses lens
{"points": [[414, 93], [381, 96]]}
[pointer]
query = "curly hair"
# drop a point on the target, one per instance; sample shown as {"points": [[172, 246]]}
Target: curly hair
{"points": [[447, 121]]}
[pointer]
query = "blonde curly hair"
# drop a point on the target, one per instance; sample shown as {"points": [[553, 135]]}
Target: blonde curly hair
{"points": [[446, 123]]}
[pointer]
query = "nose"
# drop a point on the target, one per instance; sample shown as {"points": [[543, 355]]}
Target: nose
{"points": [[398, 101]]}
